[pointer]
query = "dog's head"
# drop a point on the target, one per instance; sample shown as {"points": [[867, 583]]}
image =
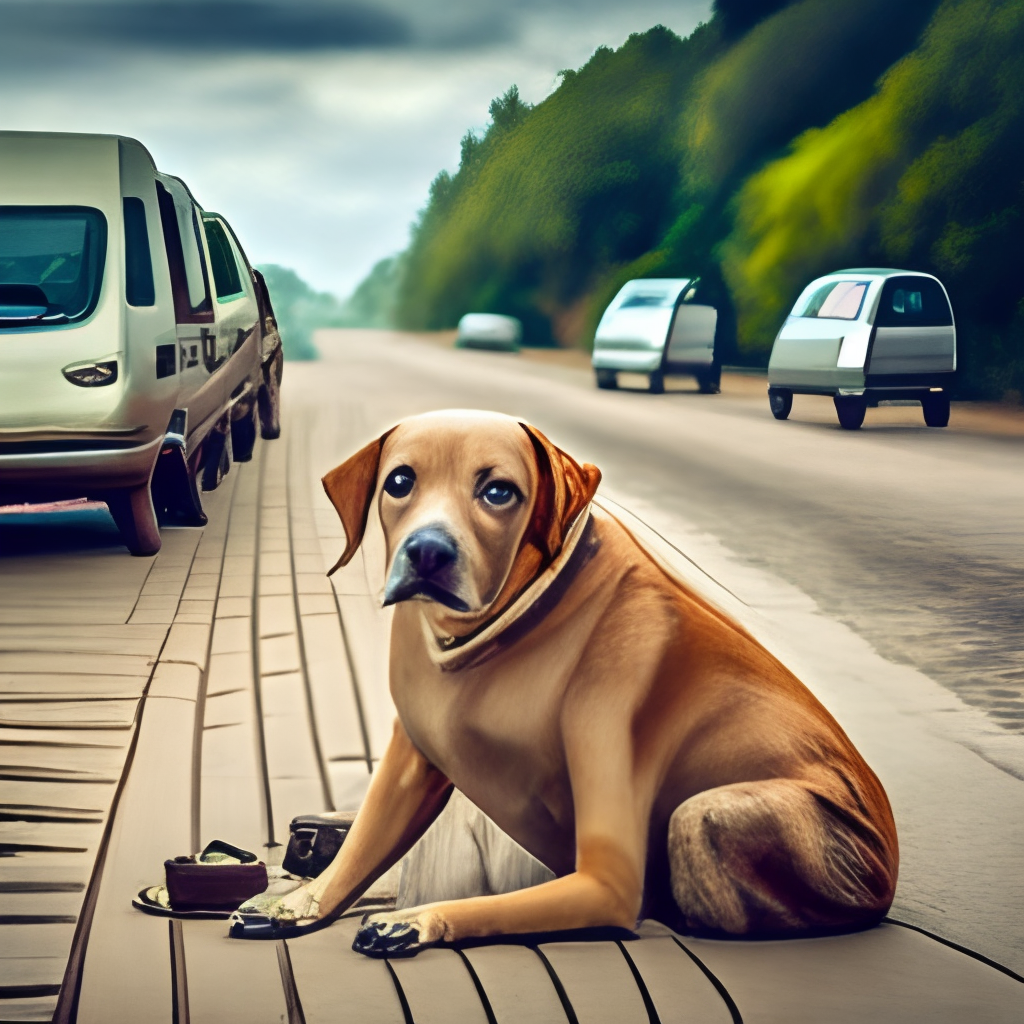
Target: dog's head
{"points": [[473, 506]]}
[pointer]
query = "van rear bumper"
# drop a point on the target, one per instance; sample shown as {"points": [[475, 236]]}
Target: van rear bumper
{"points": [[52, 470]]}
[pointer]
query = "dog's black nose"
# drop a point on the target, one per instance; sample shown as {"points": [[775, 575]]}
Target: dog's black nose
{"points": [[429, 551]]}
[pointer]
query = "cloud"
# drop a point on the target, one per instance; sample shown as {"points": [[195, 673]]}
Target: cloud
{"points": [[320, 158], [218, 25]]}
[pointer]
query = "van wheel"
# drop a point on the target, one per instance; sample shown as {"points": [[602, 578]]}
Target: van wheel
{"points": [[216, 458], [132, 510], [780, 401], [269, 399], [935, 405], [607, 379], [850, 409], [243, 435], [709, 383], [656, 382]]}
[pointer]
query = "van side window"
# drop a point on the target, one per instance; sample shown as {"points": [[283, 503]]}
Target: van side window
{"points": [[913, 302], [226, 279], [138, 263], [188, 270]]}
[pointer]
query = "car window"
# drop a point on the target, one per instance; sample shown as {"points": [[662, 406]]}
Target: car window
{"points": [[51, 264], [838, 300], [189, 281], [138, 263], [227, 281], [913, 302]]}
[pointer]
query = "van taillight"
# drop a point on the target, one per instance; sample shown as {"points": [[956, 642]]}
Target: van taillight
{"points": [[91, 375]]}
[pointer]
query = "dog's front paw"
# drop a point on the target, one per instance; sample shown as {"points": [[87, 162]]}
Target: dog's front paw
{"points": [[383, 935]]}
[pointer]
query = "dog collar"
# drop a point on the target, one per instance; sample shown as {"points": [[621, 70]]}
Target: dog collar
{"points": [[527, 611]]}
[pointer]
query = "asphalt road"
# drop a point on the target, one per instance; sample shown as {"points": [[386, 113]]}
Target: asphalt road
{"points": [[912, 536]]}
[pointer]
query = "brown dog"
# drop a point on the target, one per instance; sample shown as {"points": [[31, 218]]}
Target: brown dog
{"points": [[622, 730]]}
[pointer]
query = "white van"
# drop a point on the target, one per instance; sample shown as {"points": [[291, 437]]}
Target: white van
{"points": [[138, 348], [658, 326], [863, 336]]}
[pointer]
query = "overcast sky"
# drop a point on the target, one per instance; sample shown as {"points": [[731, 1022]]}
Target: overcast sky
{"points": [[314, 126]]}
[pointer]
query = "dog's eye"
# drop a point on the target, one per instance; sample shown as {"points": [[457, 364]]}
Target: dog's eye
{"points": [[499, 493], [399, 481]]}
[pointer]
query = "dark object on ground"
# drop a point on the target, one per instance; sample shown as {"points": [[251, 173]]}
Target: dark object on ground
{"points": [[314, 841], [222, 877]]}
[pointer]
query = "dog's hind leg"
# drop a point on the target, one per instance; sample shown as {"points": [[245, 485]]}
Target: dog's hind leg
{"points": [[774, 857]]}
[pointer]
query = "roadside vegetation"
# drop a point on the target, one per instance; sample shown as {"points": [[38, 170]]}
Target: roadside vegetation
{"points": [[301, 310], [778, 142]]}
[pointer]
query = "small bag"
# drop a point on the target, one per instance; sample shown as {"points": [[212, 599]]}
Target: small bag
{"points": [[314, 841], [220, 878]]}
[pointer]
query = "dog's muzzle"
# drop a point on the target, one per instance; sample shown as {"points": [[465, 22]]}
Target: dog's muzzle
{"points": [[426, 566]]}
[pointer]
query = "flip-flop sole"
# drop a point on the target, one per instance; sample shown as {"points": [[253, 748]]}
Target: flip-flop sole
{"points": [[148, 901]]}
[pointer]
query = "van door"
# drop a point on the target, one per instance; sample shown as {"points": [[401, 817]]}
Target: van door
{"points": [[914, 332], [193, 306], [237, 310], [691, 340], [806, 352]]}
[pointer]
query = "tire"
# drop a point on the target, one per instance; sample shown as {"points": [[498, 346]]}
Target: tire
{"points": [[132, 510], [607, 380], [709, 384], [656, 382], [780, 401], [850, 409], [268, 399], [243, 434], [935, 405], [216, 458]]}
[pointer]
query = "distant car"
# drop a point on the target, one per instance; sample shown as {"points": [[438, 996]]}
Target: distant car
{"points": [[864, 336], [138, 349], [658, 326], [489, 330]]}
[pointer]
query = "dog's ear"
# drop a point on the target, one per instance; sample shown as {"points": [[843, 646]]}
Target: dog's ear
{"points": [[565, 489], [350, 487]]}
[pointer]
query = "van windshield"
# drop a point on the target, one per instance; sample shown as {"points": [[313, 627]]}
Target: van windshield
{"points": [[649, 299], [837, 300], [51, 264]]}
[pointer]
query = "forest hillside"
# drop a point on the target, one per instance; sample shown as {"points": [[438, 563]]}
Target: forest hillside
{"points": [[778, 142]]}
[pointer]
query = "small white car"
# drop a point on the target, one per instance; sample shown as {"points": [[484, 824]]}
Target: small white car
{"points": [[863, 336], [138, 349], [658, 326], [490, 331]]}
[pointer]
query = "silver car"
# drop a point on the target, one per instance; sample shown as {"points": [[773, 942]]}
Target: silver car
{"points": [[658, 326], [864, 336], [138, 349], [490, 331]]}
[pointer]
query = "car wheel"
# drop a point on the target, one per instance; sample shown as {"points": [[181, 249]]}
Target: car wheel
{"points": [[216, 458], [780, 401], [243, 434], [850, 409], [656, 382], [935, 405], [269, 400], [607, 379], [133, 512]]}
